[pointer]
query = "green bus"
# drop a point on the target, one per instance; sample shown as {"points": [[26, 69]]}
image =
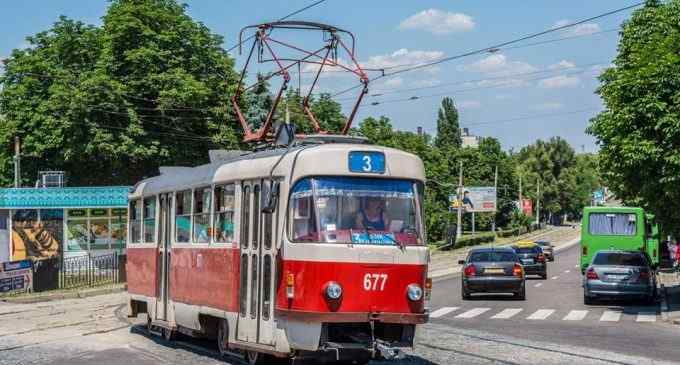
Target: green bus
{"points": [[624, 228]]}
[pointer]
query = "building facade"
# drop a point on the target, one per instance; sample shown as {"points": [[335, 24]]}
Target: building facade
{"points": [[40, 223]]}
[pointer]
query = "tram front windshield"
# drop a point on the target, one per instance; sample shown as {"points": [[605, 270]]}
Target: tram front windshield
{"points": [[355, 210]]}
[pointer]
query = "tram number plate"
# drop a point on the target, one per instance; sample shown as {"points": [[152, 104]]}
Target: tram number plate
{"points": [[375, 282], [367, 162]]}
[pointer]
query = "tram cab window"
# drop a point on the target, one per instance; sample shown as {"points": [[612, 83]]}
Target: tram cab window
{"points": [[149, 219], [135, 221], [202, 200], [224, 213], [355, 210], [183, 216]]}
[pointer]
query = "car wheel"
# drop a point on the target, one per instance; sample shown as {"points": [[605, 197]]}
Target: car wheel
{"points": [[464, 294], [587, 300], [544, 275], [522, 294]]}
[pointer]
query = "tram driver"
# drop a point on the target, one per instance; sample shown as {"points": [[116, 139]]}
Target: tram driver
{"points": [[372, 215]]}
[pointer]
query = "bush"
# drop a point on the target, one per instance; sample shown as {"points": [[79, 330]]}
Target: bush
{"points": [[477, 239]]}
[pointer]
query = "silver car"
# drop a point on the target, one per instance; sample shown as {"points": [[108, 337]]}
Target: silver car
{"points": [[619, 274]]}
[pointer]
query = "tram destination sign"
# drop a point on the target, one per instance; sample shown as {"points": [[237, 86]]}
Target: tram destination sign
{"points": [[367, 162], [16, 276]]}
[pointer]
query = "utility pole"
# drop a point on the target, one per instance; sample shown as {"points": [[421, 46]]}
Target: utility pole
{"points": [[495, 189], [521, 202], [17, 162], [538, 202], [459, 226]]}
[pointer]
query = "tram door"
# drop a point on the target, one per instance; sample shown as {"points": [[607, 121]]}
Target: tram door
{"points": [[162, 277], [256, 293]]}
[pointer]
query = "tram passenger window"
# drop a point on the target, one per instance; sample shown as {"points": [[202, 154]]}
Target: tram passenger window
{"points": [[243, 288], [202, 199], [253, 287], [256, 216], [149, 219], [266, 286], [245, 217], [183, 216], [267, 220], [135, 221], [224, 213]]}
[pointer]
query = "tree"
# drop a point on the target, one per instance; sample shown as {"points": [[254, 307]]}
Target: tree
{"points": [[259, 102], [448, 130], [110, 104], [329, 113], [639, 129]]}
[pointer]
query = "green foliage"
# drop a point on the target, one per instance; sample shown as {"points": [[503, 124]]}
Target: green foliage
{"points": [[329, 113], [448, 130], [110, 104], [639, 130], [477, 239], [259, 102]]}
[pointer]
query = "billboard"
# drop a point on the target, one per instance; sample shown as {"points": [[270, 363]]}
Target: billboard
{"points": [[475, 199]]}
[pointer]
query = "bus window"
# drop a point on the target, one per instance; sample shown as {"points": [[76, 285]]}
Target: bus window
{"points": [[619, 224], [183, 216], [224, 213], [201, 215], [135, 221], [149, 219]]}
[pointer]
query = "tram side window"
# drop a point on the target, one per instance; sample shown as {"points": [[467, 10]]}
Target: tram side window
{"points": [[135, 221], [243, 288], [224, 213], [202, 199], [183, 216], [266, 287], [245, 217], [149, 219]]}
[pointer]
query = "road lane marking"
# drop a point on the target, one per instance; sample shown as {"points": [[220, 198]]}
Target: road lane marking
{"points": [[610, 316], [567, 271], [541, 314], [473, 313], [646, 317], [555, 277], [575, 315], [442, 312], [507, 313], [538, 285]]}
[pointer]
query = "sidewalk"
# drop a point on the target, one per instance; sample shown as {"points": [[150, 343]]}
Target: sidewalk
{"points": [[445, 263], [670, 296], [47, 296]]}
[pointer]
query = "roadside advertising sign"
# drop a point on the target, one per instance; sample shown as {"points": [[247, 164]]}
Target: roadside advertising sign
{"points": [[527, 207], [475, 199], [16, 276]]}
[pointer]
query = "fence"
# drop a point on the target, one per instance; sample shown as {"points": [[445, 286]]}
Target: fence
{"points": [[80, 271]]}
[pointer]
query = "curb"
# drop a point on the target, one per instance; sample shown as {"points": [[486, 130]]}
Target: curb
{"points": [[61, 296]]}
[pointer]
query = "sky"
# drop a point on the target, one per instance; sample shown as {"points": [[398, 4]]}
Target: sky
{"points": [[518, 94]]}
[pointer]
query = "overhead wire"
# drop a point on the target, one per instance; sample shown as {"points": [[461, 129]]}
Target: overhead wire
{"points": [[495, 47]]}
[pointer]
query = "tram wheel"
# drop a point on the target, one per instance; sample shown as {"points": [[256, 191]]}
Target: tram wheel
{"points": [[168, 334], [149, 325], [257, 358], [223, 337]]}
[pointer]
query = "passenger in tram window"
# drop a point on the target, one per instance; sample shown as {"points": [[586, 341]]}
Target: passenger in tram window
{"points": [[372, 215]]}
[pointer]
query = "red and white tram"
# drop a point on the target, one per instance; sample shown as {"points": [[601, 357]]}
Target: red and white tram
{"points": [[317, 250]]}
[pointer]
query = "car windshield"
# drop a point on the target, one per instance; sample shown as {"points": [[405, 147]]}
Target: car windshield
{"points": [[493, 257], [355, 210], [619, 259], [531, 249]]}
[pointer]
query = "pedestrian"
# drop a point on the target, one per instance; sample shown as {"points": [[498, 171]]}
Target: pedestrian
{"points": [[676, 263], [672, 251]]}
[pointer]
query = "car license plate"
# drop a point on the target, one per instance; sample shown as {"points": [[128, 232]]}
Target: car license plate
{"points": [[494, 271], [527, 261], [617, 277]]}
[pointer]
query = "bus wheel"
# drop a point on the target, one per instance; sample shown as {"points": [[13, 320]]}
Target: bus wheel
{"points": [[223, 337]]}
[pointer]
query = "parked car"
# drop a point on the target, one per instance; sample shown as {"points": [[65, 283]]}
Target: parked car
{"points": [[548, 250], [620, 274], [531, 258], [492, 270]]}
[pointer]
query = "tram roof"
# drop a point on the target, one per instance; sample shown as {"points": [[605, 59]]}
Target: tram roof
{"points": [[236, 165]]}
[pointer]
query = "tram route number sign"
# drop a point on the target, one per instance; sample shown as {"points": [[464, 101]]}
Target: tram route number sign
{"points": [[373, 238], [367, 162], [16, 276]]}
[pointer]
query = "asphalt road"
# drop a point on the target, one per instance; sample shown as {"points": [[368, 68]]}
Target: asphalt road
{"points": [[551, 327], [554, 312]]}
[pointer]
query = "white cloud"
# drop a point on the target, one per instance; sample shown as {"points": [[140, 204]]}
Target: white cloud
{"points": [[499, 63], [597, 70], [559, 82], [562, 65], [551, 105], [438, 22], [577, 30], [402, 57], [468, 104], [394, 82]]}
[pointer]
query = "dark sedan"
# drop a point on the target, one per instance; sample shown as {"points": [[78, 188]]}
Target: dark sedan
{"points": [[548, 250], [492, 270], [532, 259]]}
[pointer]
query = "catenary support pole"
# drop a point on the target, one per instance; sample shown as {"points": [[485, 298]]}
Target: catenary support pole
{"points": [[17, 162], [459, 226]]}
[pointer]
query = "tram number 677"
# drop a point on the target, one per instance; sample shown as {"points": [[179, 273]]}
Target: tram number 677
{"points": [[375, 282]]}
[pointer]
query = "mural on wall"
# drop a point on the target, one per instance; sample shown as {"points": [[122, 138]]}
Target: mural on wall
{"points": [[34, 238]]}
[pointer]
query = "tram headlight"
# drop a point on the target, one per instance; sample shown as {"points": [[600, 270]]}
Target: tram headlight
{"points": [[333, 290], [415, 292]]}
